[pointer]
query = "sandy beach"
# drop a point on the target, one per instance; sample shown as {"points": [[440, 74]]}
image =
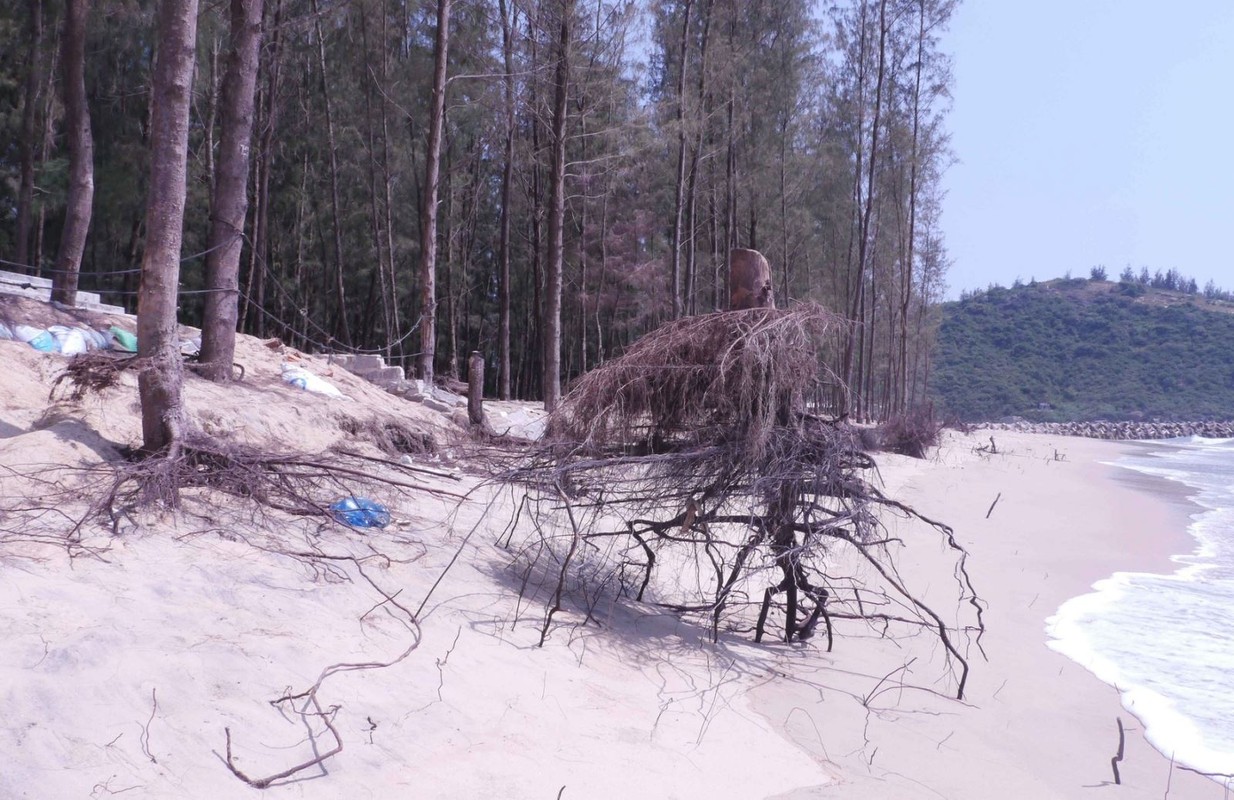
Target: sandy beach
{"points": [[1034, 724], [125, 666]]}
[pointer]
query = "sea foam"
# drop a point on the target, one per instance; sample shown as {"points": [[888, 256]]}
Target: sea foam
{"points": [[1166, 642]]}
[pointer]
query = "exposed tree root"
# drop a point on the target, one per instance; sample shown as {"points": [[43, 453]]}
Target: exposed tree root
{"points": [[695, 457]]}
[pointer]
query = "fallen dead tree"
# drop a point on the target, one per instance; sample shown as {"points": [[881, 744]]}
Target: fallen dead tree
{"points": [[694, 459]]}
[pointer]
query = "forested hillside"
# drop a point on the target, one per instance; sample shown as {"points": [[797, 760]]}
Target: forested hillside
{"points": [[539, 180], [1086, 349]]}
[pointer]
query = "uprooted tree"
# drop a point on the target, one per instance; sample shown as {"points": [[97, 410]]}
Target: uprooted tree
{"points": [[696, 457]]}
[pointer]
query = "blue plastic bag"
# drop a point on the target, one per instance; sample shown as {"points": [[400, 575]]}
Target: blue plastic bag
{"points": [[360, 512], [44, 343]]}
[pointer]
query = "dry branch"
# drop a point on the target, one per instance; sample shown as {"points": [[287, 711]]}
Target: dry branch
{"points": [[311, 706]]}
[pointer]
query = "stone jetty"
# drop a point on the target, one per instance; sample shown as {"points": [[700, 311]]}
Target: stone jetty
{"points": [[1118, 430]]}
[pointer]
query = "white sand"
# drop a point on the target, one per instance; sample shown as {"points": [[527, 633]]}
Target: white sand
{"points": [[1033, 724], [120, 672]]}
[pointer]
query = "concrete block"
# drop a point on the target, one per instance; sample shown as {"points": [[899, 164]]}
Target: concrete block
{"points": [[367, 362], [383, 376], [448, 397], [437, 405], [11, 278]]}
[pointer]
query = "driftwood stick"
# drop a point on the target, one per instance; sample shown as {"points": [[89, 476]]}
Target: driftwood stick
{"points": [[1122, 737], [262, 783]]}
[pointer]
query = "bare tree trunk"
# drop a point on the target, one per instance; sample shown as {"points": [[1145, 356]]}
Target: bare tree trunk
{"points": [[340, 271], [914, 158], [432, 160], [535, 350], [585, 181], [389, 182], [719, 286], [556, 217], [451, 240], [231, 201], [680, 184], [45, 150], [382, 301], [301, 294], [29, 114], [503, 255], [81, 154], [159, 383], [784, 212], [267, 124], [730, 184], [692, 189], [867, 203], [212, 110]]}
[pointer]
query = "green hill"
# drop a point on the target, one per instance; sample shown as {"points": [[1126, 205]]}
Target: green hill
{"points": [[1080, 350]]}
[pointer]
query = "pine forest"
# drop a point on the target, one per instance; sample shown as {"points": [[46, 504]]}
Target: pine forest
{"points": [[541, 181]]}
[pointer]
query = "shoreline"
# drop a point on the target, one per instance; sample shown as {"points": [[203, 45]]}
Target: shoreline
{"points": [[1141, 607], [1033, 721]]}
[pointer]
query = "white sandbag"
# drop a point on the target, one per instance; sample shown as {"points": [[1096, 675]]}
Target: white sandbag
{"points": [[97, 340], [38, 338], [24, 333], [5, 331], [70, 341], [302, 378]]}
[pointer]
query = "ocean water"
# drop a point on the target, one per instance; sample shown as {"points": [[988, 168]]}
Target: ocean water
{"points": [[1167, 641]]}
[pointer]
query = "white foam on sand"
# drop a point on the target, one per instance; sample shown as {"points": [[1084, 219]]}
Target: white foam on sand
{"points": [[1166, 641]]}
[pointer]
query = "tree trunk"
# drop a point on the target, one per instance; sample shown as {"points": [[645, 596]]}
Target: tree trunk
{"points": [[230, 201], [914, 158], [533, 354], [432, 161], [159, 383], [680, 185], [389, 183], [29, 114], [451, 240], [475, 389], [267, 125], [212, 111], [45, 150], [342, 327], [380, 281], [81, 154], [867, 203], [692, 188], [503, 255], [556, 217]]}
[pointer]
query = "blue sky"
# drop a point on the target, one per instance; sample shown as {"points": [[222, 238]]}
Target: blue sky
{"points": [[1091, 132]]}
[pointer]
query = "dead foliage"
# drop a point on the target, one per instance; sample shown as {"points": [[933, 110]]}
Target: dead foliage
{"points": [[91, 373], [730, 375], [911, 433], [388, 435], [694, 458]]}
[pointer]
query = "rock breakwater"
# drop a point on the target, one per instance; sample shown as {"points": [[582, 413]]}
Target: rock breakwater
{"points": [[1119, 430]]}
